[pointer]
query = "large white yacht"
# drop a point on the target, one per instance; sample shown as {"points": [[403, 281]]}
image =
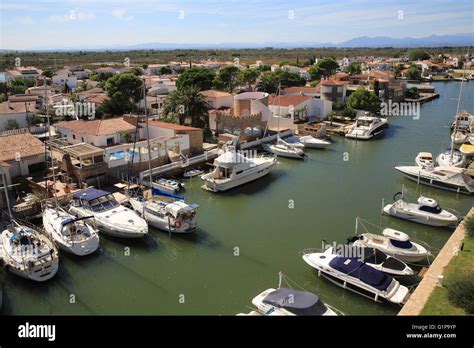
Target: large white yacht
{"points": [[232, 169], [110, 217], [27, 253], [352, 274], [443, 177], [367, 127]]}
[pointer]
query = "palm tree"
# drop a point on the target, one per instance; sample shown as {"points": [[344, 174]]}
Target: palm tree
{"points": [[188, 102]]}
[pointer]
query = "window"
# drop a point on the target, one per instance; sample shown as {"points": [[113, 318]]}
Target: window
{"points": [[110, 141], [74, 136]]}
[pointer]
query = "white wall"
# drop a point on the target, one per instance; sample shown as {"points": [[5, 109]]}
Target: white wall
{"points": [[20, 118]]}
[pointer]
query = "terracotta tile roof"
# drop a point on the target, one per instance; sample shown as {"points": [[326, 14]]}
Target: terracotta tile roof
{"points": [[97, 98], [24, 144], [287, 100], [97, 127], [301, 90], [91, 91], [333, 82], [7, 108], [213, 94], [22, 98], [173, 126]]}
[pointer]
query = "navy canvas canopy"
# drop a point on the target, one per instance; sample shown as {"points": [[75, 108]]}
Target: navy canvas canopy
{"points": [[369, 275], [297, 302], [90, 194]]}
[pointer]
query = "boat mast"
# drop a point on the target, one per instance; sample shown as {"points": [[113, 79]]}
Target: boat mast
{"points": [[279, 110], [147, 135], [48, 123], [456, 122]]}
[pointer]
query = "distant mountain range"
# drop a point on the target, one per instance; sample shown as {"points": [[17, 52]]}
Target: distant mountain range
{"points": [[363, 41]]}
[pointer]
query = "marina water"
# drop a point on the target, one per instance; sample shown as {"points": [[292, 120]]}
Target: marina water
{"points": [[249, 234]]}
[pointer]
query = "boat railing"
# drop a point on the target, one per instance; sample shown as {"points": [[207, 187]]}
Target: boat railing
{"points": [[310, 251]]}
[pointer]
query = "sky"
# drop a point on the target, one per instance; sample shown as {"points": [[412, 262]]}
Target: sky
{"points": [[52, 24]]}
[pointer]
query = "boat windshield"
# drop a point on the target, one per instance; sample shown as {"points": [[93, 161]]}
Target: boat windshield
{"points": [[364, 123], [401, 244], [103, 203], [432, 210]]}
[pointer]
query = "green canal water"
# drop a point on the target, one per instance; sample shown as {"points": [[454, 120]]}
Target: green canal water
{"points": [[201, 273]]}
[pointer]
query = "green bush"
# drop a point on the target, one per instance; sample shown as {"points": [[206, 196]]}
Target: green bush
{"points": [[461, 292], [469, 224]]}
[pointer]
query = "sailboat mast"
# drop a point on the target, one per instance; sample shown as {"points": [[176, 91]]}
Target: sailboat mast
{"points": [[48, 123], [279, 110], [458, 106], [147, 134]]}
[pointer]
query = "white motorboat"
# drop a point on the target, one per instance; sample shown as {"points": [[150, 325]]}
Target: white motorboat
{"points": [[168, 185], [283, 301], [446, 178], [293, 141], [462, 120], [451, 158], [394, 243], [232, 169], [176, 216], [426, 211], [424, 160], [314, 143], [27, 253], [110, 217], [71, 234], [284, 149], [357, 276], [192, 173], [367, 127], [379, 260], [459, 136]]}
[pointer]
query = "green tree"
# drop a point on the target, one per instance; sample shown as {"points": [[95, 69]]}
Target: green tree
{"points": [[362, 99], [264, 67], [226, 79], [137, 71], [124, 91], [165, 70], [316, 72], [48, 73], [324, 67], [188, 102], [353, 69], [102, 76], [199, 77], [19, 86], [268, 82], [418, 54], [248, 77], [414, 73]]}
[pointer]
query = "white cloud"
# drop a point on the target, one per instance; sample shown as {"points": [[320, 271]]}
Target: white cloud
{"points": [[120, 13], [72, 16], [26, 20]]}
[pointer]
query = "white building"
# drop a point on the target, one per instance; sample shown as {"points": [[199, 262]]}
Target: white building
{"points": [[65, 77]]}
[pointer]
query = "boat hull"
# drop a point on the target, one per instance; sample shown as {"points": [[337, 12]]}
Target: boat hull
{"points": [[257, 173], [435, 183], [425, 220]]}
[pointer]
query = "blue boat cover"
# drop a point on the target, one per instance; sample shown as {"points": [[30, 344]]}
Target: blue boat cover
{"points": [[90, 194], [369, 275], [67, 221], [405, 244], [297, 302], [158, 192]]}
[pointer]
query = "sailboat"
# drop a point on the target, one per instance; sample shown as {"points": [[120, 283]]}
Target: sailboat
{"points": [[283, 148], [176, 216], [459, 135], [25, 252], [71, 234]]}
